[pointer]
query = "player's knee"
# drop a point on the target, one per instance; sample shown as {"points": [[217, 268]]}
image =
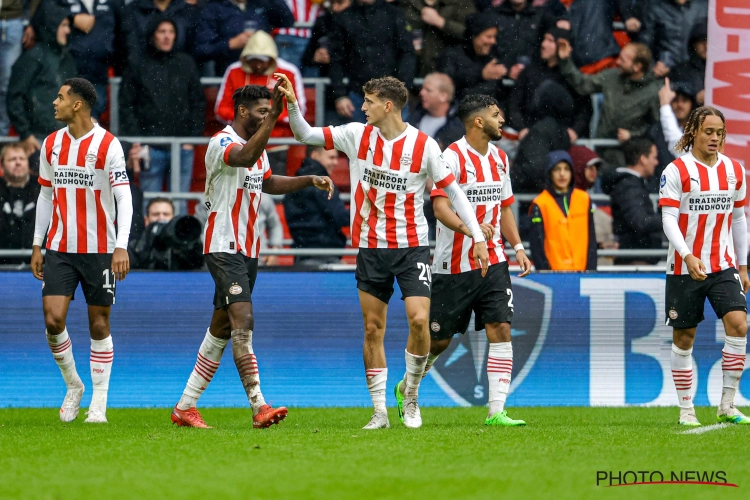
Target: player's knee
{"points": [[55, 323], [737, 329], [418, 319], [374, 329], [99, 327]]}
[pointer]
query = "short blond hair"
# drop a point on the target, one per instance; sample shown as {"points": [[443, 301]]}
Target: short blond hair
{"points": [[444, 84]]}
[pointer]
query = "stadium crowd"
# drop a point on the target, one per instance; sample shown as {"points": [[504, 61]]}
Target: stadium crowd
{"points": [[562, 70]]}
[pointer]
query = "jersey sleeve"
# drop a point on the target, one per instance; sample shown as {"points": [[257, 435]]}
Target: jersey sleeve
{"points": [[344, 137], [740, 193], [266, 167], [506, 193], [670, 187], [217, 153], [46, 174], [438, 168], [450, 158], [118, 175]]}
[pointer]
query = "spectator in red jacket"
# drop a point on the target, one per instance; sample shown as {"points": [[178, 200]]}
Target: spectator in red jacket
{"points": [[258, 62]]}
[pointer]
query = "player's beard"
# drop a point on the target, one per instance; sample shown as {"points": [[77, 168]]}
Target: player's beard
{"points": [[492, 132]]}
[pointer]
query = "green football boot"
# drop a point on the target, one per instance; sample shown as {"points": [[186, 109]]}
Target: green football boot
{"points": [[399, 400], [501, 418], [732, 415]]}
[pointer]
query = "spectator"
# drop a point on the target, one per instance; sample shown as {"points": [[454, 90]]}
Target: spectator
{"points": [[667, 28], [227, 25], [693, 71], [434, 25], [473, 66], [14, 38], [586, 165], [369, 40], [677, 102], [436, 115], [315, 221], [528, 103], [168, 242], [562, 236], [631, 92], [35, 80], [271, 230], [634, 222], [139, 13], [19, 191], [256, 66], [317, 56], [520, 26], [595, 47], [161, 95], [292, 42], [94, 27]]}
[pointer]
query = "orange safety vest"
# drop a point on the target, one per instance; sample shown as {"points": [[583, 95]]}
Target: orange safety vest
{"points": [[566, 239]]}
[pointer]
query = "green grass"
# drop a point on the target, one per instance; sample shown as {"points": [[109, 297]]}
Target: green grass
{"points": [[324, 453]]}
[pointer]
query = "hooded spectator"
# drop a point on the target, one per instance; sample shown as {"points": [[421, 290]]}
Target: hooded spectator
{"points": [[562, 236], [36, 79], [586, 165], [435, 24], [136, 19], [226, 26]]}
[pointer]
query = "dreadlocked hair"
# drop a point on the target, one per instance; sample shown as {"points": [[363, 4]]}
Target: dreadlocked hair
{"points": [[694, 124], [248, 94]]}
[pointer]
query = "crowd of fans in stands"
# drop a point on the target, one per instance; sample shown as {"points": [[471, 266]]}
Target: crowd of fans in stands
{"points": [[630, 70]]}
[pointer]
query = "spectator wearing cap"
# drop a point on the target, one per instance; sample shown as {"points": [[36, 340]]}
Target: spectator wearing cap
{"points": [[161, 95], [369, 40], [257, 64], [528, 102], [19, 191], [473, 66], [586, 165], [435, 24], [631, 92], [677, 101], [634, 222], [436, 114], [562, 236], [226, 26], [667, 28], [693, 71]]}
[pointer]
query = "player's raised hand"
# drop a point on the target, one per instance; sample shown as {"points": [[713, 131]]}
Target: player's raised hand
{"points": [[488, 230], [277, 100], [324, 183], [37, 263], [696, 267], [482, 257], [120, 263], [286, 87], [524, 262]]}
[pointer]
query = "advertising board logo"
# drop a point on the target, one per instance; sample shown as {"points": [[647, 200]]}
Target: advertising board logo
{"points": [[461, 371]]}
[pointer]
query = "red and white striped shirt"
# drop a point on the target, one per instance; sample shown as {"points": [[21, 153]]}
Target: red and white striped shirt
{"points": [[232, 198], [705, 197], [82, 173], [486, 183], [390, 178], [304, 12]]}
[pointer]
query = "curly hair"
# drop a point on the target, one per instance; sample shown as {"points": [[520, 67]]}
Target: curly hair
{"points": [[694, 124], [247, 95], [388, 88]]}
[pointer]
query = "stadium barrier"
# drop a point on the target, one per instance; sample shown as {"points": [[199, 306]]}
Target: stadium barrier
{"points": [[582, 339]]}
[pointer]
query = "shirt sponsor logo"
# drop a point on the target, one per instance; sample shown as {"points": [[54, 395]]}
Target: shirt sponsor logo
{"points": [[254, 181], [489, 192], [709, 203], [383, 179], [74, 177]]}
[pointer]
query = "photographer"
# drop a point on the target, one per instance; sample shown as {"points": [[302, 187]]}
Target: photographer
{"points": [[168, 243]]}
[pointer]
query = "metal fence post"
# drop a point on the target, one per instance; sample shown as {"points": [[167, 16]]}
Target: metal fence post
{"points": [[320, 103], [114, 105], [174, 166]]}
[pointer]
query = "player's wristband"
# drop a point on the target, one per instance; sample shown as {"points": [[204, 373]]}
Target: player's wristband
{"points": [[519, 248]]}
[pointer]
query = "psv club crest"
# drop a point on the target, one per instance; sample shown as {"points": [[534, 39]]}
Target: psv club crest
{"points": [[461, 371]]}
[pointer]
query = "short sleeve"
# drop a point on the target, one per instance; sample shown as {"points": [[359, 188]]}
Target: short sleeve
{"points": [[344, 138], [450, 158], [266, 167], [670, 187], [118, 175], [740, 193], [506, 193], [217, 153], [46, 173], [438, 168]]}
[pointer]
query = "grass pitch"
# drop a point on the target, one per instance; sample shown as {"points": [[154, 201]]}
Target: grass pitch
{"points": [[324, 453]]}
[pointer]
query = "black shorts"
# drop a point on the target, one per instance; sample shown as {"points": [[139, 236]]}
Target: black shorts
{"points": [[685, 297], [455, 296], [376, 268], [234, 276], [63, 271]]}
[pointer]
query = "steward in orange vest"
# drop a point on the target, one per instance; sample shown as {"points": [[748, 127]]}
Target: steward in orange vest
{"points": [[562, 234]]}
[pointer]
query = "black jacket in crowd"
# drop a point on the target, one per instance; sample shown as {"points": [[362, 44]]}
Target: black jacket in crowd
{"points": [[667, 27], [525, 106], [138, 14], [465, 67], [528, 174], [161, 93], [370, 41], [449, 133], [17, 217], [634, 221], [315, 221], [520, 32]]}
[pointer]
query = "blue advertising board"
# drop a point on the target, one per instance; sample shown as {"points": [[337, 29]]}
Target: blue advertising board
{"points": [[578, 339]]}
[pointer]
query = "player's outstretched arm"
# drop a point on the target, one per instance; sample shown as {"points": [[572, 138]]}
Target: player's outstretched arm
{"points": [[302, 131], [509, 230], [280, 184], [251, 152], [669, 219], [41, 224], [739, 236], [466, 213]]}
